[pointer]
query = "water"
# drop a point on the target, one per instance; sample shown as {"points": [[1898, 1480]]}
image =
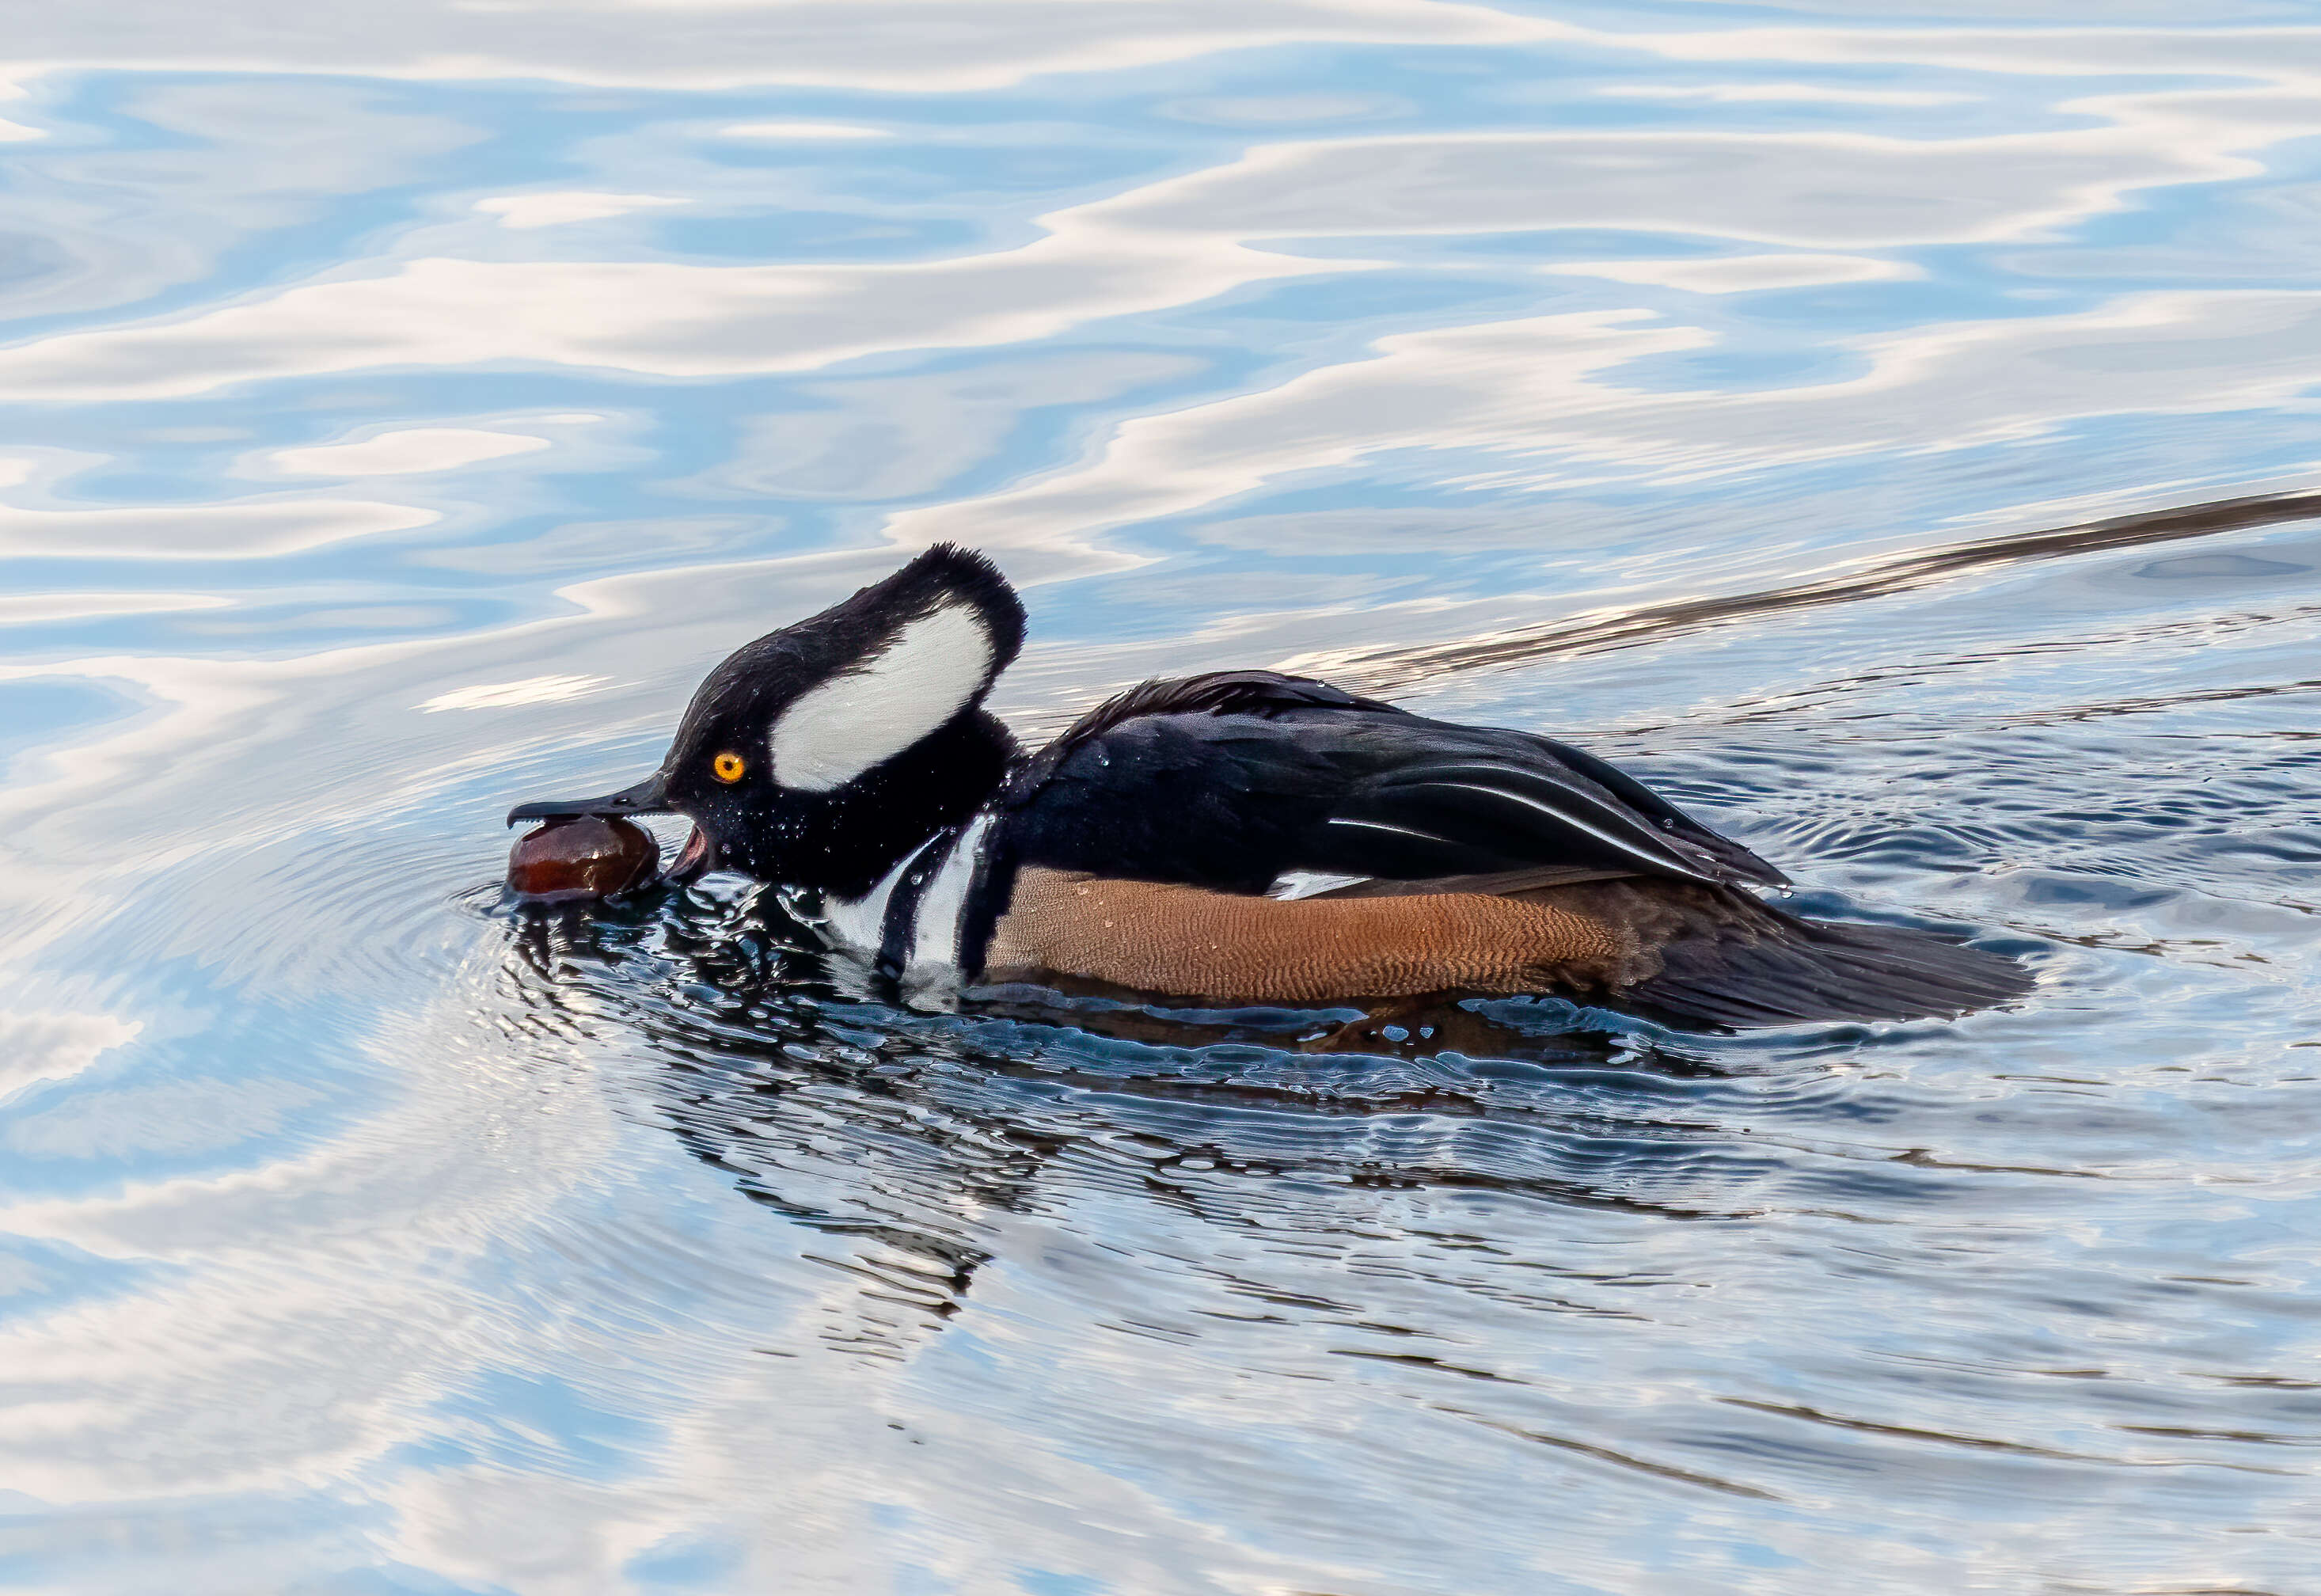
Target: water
{"points": [[405, 405]]}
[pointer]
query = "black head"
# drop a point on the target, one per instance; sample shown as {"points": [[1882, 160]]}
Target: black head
{"points": [[823, 752]]}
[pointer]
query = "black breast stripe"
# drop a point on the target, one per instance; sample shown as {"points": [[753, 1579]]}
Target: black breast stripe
{"points": [[987, 896], [900, 926]]}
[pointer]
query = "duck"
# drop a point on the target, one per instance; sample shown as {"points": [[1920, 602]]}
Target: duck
{"points": [[1237, 837]]}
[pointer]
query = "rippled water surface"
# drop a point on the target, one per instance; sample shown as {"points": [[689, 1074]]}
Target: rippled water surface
{"points": [[403, 404]]}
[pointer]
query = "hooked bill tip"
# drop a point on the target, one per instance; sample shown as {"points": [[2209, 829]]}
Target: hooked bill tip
{"points": [[643, 798]]}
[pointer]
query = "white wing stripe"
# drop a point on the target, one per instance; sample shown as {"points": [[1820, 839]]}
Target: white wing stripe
{"points": [[1292, 884], [1425, 836], [1623, 843]]}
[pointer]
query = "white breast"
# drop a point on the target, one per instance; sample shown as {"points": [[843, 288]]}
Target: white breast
{"points": [[859, 924], [939, 928]]}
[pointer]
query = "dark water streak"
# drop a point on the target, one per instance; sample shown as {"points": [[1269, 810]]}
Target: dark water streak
{"points": [[1404, 670]]}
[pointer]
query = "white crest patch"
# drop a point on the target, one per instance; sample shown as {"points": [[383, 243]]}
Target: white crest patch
{"points": [[833, 733]]}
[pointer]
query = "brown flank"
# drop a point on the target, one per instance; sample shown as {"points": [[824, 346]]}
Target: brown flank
{"points": [[1687, 951], [1190, 943]]}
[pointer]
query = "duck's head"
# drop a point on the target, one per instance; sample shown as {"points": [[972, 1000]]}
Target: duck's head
{"points": [[824, 753]]}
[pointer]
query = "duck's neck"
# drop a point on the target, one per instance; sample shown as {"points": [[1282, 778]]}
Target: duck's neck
{"points": [[867, 830]]}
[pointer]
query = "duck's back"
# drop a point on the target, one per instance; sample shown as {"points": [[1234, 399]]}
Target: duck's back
{"points": [[1236, 779], [1258, 838]]}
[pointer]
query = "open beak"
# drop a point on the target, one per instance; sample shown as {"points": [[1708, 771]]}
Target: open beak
{"points": [[698, 855], [648, 796]]}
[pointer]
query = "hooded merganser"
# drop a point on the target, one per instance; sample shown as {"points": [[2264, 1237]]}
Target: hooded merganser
{"points": [[1241, 837]]}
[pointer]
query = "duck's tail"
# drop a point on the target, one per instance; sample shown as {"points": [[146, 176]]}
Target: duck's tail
{"points": [[1753, 964]]}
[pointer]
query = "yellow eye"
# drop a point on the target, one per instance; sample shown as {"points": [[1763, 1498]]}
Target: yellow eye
{"points": [[727, 768]]}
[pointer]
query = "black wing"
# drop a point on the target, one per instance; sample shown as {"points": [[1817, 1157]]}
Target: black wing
{"points": [[1231, 780]]}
